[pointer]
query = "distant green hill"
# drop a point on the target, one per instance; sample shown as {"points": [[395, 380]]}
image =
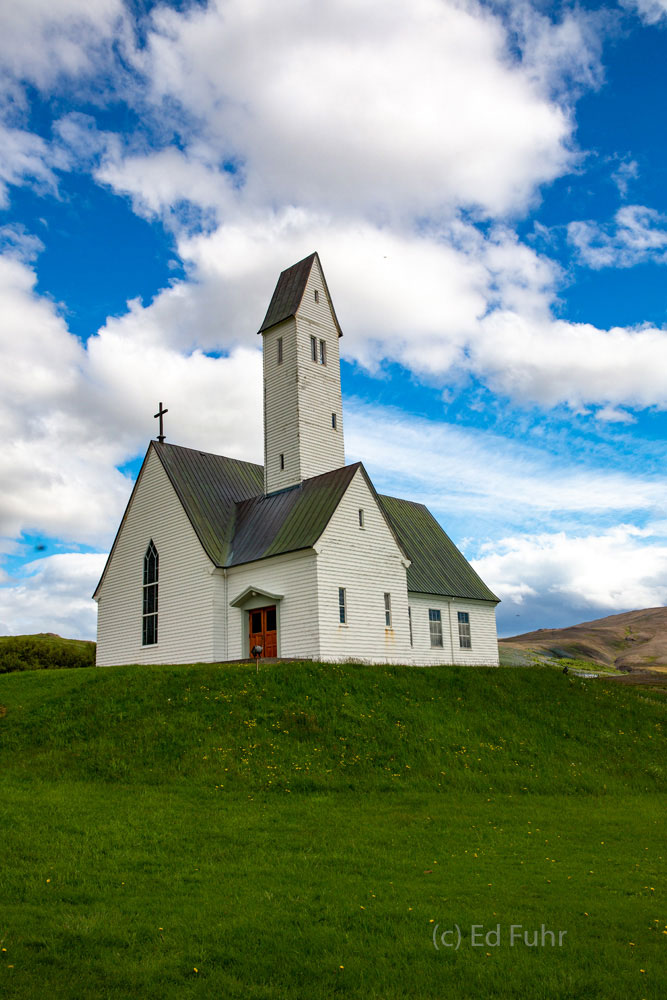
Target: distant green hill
{"points": [[44, 651]]}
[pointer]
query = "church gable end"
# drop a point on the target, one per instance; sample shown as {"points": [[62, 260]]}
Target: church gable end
{"points": [[183, 628]]}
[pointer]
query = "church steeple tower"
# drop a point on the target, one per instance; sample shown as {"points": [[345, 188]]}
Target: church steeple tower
{"points": [[303, 410]]}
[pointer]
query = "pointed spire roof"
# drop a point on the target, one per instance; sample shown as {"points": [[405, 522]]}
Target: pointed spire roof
{"points": [[289, 293]]}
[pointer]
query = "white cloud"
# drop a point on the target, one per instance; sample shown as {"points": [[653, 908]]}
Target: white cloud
{"points": [[627, 170], [650, 11], [70, 413], [559, 579], [53, 595], [638, 234], [26, 158], [612, 415], [381, 107], [42, 39], [454, 470]]}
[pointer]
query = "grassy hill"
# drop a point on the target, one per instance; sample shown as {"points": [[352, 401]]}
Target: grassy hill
{"points": [[635, 640], [209, 831], [44, 651]]}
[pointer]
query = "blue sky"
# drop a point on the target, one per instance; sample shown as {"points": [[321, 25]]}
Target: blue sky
{"points": [[486, 187]]}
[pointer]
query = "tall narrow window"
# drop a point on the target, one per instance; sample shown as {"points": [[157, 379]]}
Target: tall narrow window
{"points": [[410, 622], [323, 352], [313, 349], [280, 350], [464, 630], [282, 461], [333, 421], [149, 620], [317, 295], [361, 517], [435, 626], [387, 610], [342, 606]]}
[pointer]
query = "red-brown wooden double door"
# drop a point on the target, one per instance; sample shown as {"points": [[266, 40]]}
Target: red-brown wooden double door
{"points": [[263, 631]]}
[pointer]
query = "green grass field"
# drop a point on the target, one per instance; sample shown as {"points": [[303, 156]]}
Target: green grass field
{"points": [[309, 831]]}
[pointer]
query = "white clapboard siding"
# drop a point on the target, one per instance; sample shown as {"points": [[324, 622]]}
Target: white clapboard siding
{"points": [[322, 448], [367, 562], [483, 634], [300, 394], [281, 409], [294, 577], [185, 586]]}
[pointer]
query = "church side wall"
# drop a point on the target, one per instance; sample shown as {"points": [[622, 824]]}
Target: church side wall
{"points": [[293, 576], [484, 639], [367, 562], [185, 585]]}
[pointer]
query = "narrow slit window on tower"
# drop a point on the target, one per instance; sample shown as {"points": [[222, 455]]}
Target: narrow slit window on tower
{"points": [[317, 295], [361, 517], [333, 421], [342, 606], [410, 622], [280, 350], [149, 615], [282, 461], [313, 349], [323, 352], [387, 610]]}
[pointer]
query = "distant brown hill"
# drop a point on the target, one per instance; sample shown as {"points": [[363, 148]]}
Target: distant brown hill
{"points": [[634, 640]]}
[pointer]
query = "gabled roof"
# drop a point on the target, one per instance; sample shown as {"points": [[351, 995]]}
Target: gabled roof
{"points": [[209, 486], [289, 293], [437, 566], [290, 520]]}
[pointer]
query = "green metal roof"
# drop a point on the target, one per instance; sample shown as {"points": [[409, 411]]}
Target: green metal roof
{"points": [[437, 566], [209, 486], [290, 520]]}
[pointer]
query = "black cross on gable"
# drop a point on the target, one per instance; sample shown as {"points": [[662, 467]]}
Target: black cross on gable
{"points": [[160, 414]]}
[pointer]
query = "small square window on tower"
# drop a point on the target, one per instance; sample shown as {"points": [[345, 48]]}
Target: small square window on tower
{"points": [[317, 295], [280, 350], [323, 352], [313, 349], [282, 461]]}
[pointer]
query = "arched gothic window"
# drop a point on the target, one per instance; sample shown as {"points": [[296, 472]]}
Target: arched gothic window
{"points": [[149, 622]]}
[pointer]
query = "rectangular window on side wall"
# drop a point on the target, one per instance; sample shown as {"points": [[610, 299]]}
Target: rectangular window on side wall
{"points": [[342, 606], [313, 349], [280, 350], [323, 352], [465, 641], [361, 517], [333, 421], [317, 295], [435, 626], [387, 610], [410, 622], [282, 461]]}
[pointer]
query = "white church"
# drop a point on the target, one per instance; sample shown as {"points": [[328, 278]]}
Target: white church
{"points": [[301, 557]]}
